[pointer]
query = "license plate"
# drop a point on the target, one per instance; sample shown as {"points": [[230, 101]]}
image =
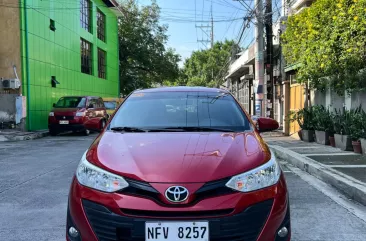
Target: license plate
{"points": [[64, 122], [173, 231]]}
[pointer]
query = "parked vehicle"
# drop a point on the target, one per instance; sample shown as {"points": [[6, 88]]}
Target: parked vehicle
{"points": [[77, 113], [111, 104], [200, 172]]}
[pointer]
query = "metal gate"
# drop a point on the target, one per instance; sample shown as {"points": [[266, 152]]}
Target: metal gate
{"points": [[297, 101], [246, 95]]}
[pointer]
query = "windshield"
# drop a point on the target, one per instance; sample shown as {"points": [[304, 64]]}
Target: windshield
{"points": [[110, 105], [71, 102], [181, 109]]}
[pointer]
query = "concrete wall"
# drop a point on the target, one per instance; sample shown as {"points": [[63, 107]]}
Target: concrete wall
{"points": [[7, 107], [358, 99], [10, 47], [333, 101]]}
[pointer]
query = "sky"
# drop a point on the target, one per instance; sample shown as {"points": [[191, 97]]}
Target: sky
{"points": [[183, 16]]}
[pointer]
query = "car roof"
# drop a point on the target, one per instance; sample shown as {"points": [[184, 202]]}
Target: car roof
{"points": [[182, 88], [80, 96]]}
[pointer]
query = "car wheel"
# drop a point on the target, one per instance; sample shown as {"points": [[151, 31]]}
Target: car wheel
{"points": [[86, 132], [102, 125], [53, 132]]}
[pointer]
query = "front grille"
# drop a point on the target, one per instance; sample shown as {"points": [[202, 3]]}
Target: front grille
{"points": [[61, 117], [181, 214], [245, 226], [214, 189], [145, 190]]}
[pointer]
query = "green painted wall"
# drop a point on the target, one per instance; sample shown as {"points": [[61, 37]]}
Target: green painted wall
{"points": [[47, 53]]}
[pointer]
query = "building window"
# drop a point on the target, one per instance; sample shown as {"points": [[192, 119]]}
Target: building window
{"points": [[101, 25], [86, 57], [52, 25], [85, 15], [101, 64]]}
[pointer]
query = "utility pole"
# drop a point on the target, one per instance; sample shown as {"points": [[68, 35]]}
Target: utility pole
{"points": [[259, 60], [212, 41], [204, 29], [212, 29], [269, 64]]}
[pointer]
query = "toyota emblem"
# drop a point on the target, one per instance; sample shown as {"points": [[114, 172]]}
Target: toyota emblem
{"points": [[64, 117], [177, 194]]}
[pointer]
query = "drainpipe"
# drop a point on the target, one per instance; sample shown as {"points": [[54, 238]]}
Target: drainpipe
{"points": [[25, 39], [119, 74]]}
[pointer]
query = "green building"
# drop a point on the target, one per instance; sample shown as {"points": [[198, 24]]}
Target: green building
{"points": [[57, 48]]}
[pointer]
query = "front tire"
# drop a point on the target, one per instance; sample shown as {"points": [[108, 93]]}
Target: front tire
{"points": [[102, 125], [86, 132], [53, 132]]}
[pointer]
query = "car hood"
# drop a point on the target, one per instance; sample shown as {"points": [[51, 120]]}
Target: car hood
{"points": [[65, 110], [182, 157]]}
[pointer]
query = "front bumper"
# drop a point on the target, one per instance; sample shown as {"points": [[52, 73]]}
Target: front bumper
{"points": [[255, 216], [68, 127]]}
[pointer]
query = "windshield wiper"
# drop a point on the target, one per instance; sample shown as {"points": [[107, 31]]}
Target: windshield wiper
{"points": [[127, 129], [196, 128]]}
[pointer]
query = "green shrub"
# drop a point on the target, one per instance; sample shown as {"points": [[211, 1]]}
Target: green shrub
{"points": [[323, 119]]}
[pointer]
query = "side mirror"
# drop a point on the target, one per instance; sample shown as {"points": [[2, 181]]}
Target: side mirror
{"points": [[54, 104], [90, 106], [264, 124]]}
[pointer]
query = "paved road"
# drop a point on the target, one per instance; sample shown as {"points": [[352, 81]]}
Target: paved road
{"points": [[35, 177]]}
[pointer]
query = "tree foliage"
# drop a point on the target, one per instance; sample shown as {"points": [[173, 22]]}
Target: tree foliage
{"points": [[143, 58], [203, 67], [329, 40]]}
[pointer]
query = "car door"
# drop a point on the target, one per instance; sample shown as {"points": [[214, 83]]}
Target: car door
{"points": [[92, 122], [102, 109]]}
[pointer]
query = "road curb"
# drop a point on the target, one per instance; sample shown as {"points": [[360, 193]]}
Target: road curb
{"points": [[23, 137], [344, 183]]}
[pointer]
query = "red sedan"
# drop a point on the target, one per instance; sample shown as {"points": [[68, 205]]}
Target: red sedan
{"points": [[183, 164]]}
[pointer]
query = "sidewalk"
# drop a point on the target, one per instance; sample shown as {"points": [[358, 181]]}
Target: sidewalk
{"points": [[343, 170], [14, 135]]}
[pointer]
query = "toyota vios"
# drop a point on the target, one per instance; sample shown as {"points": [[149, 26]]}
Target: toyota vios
{"points": [[179, 164]]}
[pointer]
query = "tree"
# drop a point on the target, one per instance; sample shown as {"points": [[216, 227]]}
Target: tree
{"points": [[143, 58], [329, 40], [203, 67]]}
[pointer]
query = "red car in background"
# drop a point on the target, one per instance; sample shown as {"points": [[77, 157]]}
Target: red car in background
{"points": [[183, 164], [77, 113]]}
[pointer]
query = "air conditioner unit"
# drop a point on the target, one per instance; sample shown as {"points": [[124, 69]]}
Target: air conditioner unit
{"points": [[247, 77], [11, 83], [276, 72]]}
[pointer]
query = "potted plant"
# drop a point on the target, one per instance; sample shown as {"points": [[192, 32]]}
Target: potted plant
{"points": [[305, 119], [342, 123], [356, 131], [363, 136], [323, 124], [332, 141], [292, 117], [332, 129], [363, 143]]}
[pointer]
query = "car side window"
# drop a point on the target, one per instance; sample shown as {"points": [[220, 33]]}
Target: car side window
{"points": [[92, 102], [97, 103], [101, 103]]}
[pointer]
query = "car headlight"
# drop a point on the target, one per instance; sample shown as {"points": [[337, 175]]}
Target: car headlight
{"points": [[80, 114], [261, 177], [94, 177], [51, 114]]}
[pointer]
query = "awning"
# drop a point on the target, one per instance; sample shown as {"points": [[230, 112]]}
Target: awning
{"points": [[114, 6], [292, 67]]}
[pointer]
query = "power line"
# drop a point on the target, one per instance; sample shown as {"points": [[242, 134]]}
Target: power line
{"points": [[231, 23]]}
